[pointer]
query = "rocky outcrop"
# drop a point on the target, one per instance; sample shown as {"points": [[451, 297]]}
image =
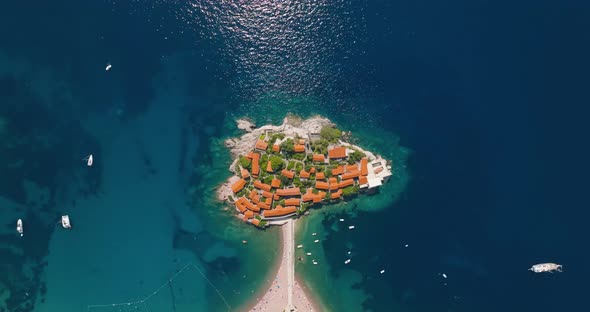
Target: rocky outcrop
{"points": [[246, 125], [291, 126]]}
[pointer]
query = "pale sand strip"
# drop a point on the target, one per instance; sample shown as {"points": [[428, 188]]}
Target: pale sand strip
{"points": [[285, 293]]}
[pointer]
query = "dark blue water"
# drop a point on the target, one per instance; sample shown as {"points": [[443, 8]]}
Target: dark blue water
{"points": [[490, 97]]}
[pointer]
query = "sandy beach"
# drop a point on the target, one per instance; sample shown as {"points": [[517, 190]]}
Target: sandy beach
{"points": [[285, 293]]}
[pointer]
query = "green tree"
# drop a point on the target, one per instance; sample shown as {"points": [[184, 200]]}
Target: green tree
{"points": [[330, 134], [284, 180], [245, 162], [288, 146], [276, 162], [355, 157]]}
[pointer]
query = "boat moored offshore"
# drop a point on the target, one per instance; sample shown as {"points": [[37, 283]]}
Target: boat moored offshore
{"points": [[65, 222], [19, 227], [546, 267]]}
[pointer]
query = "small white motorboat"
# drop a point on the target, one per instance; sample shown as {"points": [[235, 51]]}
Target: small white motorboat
{"points": [[65, 222], [108, 67], [19, 227], [351, 227], [299, 246], [406, 245], [341, 220], [347, 261], [309, 253], [349, 252], [316, 241], [89, 159], [315, 262], [444, 275], [546, 267], [382, 271], [314, 234]]}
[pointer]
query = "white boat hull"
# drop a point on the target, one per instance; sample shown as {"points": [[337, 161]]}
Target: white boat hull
{"points": [[19, 227], [65, 222]]}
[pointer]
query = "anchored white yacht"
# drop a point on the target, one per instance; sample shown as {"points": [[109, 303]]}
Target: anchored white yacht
{"points": [[546, 267], [89, 159], [65, 222], [19, 227]]}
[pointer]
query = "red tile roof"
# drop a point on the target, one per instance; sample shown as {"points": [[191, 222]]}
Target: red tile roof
{"points": [[267, 194], [256, 222], [364, 170], [363, 180], [292, 202], [254, 196], [262, 186], [269, 166], [304, 174], [248, 214], [248, 204], [276, 148], [350, 175], [336, 194], [245, 173], [322, 185], [337, 152], [345, 183], [261, 145], [312, 170], [289, 192], [277, 212], [333, 180], [320, 176], [288, 173], [353, 167], [298, 148], [308, 196], [240, 204], [275, 183], [318, 157], [301, 141], [268, 201], [238, 185], [338, 170], [255, 164], [263, 205]]}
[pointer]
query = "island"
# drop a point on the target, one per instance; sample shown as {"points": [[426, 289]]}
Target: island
{"points": [[279, 172]]}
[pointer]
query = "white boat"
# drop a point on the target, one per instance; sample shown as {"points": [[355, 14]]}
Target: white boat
{"points": [[351, 227], [406, 245], [382, 271], [341, 220], [316, 241], [444, 275], [299, 246], [349, 252], [309, 253], [108, 67], [19, 227], [89, 159], [315, 262], [347, 261], [546, 267], [314, 234], [65, 222]]}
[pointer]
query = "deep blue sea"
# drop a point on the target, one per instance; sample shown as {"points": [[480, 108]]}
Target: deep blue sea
{"points": [[481, 105]]}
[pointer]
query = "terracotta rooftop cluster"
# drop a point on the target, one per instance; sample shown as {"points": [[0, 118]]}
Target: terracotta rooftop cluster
{"points": [[276, 201]]}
